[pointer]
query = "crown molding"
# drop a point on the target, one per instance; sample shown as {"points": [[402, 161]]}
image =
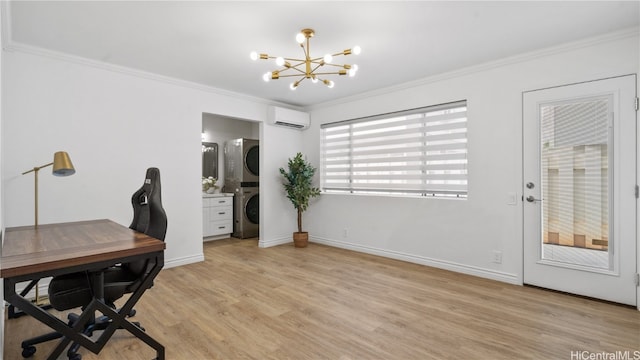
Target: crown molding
{"points": [[11, 46], [6, 23], [575, 45], [33, 50]]}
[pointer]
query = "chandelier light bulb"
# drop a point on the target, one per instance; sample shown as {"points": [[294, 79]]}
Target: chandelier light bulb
{"points": [[266, 77], [328, 83], [293, 86], [356, 50], [314, 79], [300, 38], [328, 58], [353, 70], [279, 61], [253, 56]]}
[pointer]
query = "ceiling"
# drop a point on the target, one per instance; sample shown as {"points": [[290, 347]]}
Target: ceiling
{"points": [[208, 42]]}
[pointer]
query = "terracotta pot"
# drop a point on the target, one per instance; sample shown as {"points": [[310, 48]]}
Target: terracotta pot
{"points": [[300, 239]]}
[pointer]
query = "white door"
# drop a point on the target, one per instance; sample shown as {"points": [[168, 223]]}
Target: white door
{"points": [[579, 193]]}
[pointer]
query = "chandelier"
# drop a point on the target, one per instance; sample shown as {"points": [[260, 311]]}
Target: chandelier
{"points": [[309, 67]]}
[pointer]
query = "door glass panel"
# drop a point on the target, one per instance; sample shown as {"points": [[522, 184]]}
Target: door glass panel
{"points": [[575, 158]]}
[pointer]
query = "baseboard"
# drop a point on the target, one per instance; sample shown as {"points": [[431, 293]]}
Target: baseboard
{"points": [[274, 242], [440, 264], [185, 260], [215, 237]]}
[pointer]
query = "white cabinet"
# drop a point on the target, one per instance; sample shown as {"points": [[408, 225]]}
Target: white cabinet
{"points": [[217, 215]]}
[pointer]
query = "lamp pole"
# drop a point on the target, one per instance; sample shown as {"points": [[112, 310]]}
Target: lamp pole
{"points": [[35, 172], [62, 166]]}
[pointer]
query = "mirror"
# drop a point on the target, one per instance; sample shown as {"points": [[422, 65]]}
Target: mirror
{"points": [[210, 159]]}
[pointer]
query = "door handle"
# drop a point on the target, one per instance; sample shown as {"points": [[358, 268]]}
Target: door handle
{"points": [[531, 199]]}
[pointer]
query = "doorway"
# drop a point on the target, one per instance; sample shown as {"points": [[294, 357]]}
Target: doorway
{"points": [[234, 163], [579, 193]]}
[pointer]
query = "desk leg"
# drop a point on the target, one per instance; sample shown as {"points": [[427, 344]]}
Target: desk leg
{"points": [[118, 319], [44, 317], [13, 313]]}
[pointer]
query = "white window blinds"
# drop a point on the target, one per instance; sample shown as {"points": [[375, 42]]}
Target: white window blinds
{"points": [[414, 152]]}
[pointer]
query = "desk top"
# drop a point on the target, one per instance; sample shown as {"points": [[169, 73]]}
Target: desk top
{"points": [[28, 250]]}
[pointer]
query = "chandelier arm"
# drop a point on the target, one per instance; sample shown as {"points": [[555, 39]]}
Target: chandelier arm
{"points": [[300, 63], [287, 58], [292, 75], [294, 67], [298, 70], [287, 75], [324, 73], [294, 59], [315, 68], [304, 51], [337, 65]]}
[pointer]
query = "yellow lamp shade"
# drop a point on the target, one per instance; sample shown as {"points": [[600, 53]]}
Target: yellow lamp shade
{"points": [[62, 165]]}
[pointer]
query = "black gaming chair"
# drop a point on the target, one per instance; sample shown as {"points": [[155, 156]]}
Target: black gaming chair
{"points": [[75, 290]]}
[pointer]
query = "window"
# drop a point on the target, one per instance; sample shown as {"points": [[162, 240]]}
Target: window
{"points": [[418, 152]]}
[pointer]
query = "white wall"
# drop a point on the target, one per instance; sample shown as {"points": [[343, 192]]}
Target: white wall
{"points": [[114, 125], [461, 234], [277, 146]]}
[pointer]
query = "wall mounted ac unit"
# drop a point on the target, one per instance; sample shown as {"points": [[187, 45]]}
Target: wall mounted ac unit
{"points": [[288, 118]]}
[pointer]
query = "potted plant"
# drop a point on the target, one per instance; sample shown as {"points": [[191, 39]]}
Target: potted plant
{"points": [[299, 188]]}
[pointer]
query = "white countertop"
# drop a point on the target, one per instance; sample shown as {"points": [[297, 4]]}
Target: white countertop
{"points": [[205, 195]]}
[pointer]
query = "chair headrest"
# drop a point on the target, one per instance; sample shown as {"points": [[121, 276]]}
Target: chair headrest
{"points": [[149, 216]]}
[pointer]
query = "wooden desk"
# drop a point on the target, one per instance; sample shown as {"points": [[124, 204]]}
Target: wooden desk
{"points": [[30, 253]]}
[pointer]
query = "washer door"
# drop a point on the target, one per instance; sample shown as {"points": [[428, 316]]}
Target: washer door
{"points": [[251, 209], [252, 160]]}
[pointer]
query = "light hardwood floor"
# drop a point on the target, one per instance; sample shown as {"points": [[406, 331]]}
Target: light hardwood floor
{"points": [[326, 303]]}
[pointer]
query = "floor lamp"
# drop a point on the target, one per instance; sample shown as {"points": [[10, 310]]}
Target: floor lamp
{"points": [[62, 166]]}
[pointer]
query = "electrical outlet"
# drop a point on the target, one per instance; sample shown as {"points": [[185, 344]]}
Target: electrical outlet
{"points": [[345, 233], [497, 257]]}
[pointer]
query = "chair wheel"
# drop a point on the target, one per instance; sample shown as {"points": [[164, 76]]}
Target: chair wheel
{"points": [[132, 313], [28, 351]]}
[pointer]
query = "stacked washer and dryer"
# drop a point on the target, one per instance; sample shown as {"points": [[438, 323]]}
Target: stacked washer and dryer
{"points": [[242, 171]]}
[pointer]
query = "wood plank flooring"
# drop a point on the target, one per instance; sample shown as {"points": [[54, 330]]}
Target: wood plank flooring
{"points": [[326, 303]]}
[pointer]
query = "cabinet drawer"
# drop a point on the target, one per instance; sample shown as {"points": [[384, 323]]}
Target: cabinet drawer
{"points": [[220, 213], [221, 227], [217, 201]]}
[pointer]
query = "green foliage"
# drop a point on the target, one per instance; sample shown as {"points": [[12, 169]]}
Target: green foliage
{"points": [[298, 184]]}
